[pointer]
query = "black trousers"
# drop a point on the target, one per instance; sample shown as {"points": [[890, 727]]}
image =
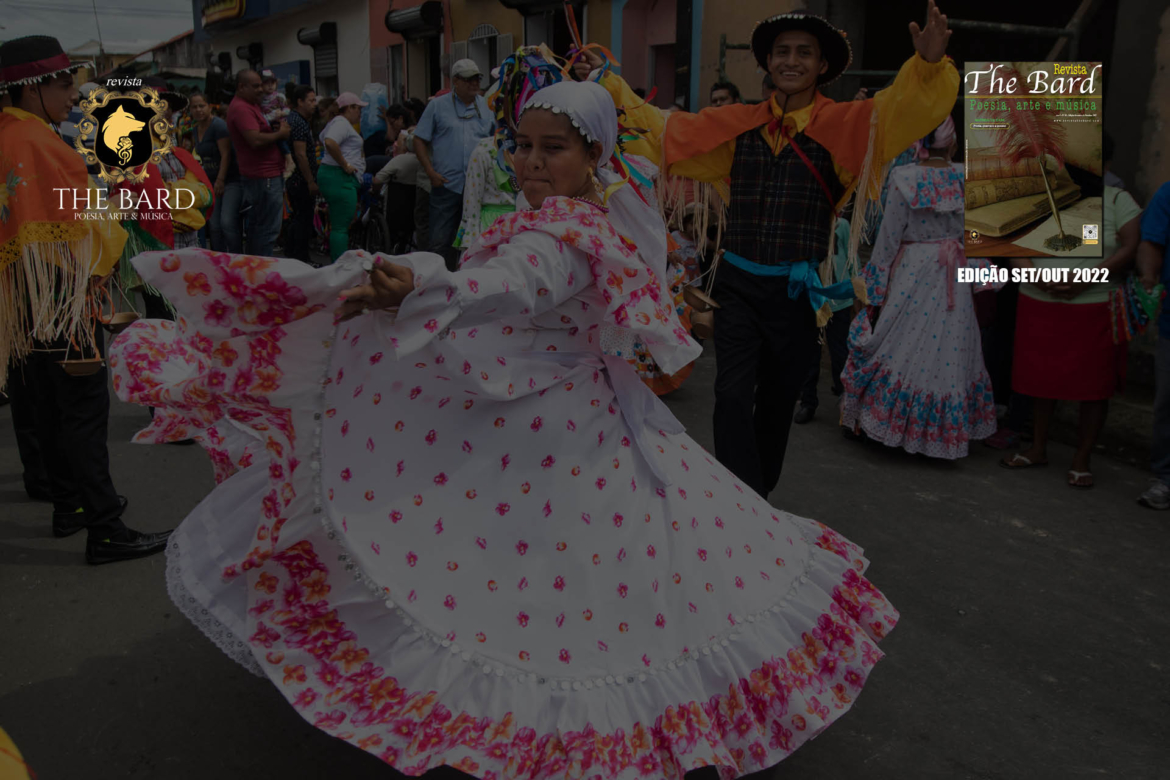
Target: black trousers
{"points": [[299, 231], [764, 344], [70, 418], [837, 340], [24, 421]]}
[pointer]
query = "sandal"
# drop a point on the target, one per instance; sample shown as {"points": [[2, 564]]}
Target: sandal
{"points": [[1075, 478], [1018, 461]]}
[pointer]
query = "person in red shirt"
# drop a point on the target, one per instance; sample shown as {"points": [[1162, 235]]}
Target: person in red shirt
{"points": [[257, 149]]}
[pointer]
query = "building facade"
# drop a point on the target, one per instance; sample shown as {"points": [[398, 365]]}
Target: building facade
{"points": [[414, 42], [323, 43]]}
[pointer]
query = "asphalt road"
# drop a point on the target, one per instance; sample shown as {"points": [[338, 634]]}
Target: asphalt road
{"points": [[1031, 645]]}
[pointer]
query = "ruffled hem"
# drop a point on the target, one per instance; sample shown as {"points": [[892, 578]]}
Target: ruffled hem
{"points": [[916, 419], [223, 637], [268, 568], [374, 677]]}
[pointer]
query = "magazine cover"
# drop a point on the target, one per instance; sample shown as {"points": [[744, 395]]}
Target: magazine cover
{"points": [[1033, 159]]}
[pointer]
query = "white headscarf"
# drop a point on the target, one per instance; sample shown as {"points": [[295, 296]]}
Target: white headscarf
{"points": [[593, 113]]}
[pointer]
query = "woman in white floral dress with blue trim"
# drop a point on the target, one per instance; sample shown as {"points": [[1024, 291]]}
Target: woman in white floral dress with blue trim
{"points": [[915, 377]]}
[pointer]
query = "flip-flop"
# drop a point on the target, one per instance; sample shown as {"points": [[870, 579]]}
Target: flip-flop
{"points": [[1018, 461], [1078, 475]]}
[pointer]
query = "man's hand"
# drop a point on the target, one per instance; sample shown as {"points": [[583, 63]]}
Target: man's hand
{"points": [[389, 284], [284, 131], [931, 42], [314, 190], [588, 62], [437, 179], [220, 184]]}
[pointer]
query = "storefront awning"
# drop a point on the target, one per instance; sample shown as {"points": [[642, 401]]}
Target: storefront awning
{"points": [[421, 21], [326, 32], [532, 6]]}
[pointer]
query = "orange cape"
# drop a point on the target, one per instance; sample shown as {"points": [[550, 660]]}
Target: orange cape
{"points": [[48, 249], [831, 124]]}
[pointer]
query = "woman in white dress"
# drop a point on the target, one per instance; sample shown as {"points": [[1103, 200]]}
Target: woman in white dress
{"points": [[915, 377], [458, 529]]}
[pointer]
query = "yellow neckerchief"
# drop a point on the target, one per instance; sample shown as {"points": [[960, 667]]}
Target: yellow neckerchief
{"points": [[21, 114], [796, 120]]}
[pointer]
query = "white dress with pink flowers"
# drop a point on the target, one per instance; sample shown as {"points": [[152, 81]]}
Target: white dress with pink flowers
{"points": [[467, 534]]}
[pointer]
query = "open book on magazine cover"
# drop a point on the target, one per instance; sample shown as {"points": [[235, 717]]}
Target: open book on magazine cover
{"points": [[1033, 131]]}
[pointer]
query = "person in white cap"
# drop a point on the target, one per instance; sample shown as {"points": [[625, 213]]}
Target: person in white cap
{"points": [[341, 169], [447, 134]]}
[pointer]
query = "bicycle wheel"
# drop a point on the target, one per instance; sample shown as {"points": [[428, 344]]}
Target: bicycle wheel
{"points": [[377, 234], [357, 235]]}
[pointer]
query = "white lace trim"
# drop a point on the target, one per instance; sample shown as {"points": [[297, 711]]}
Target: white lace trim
{"points": [[224, 638]]}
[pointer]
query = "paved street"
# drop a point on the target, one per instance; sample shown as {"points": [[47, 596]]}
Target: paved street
{"points": [[1032, 640]]}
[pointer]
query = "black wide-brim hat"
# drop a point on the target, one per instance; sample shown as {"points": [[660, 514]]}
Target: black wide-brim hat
{"points": [[175, 101], [834, 45], [29, 59]]}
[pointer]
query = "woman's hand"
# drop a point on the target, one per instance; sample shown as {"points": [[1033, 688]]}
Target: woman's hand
{"points": [[1069, 290], [389, 285]]}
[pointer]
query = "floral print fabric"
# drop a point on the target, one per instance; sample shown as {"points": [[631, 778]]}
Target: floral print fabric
{"points": [[443, 540], [481, 188], [916, 379], [679, 277]]}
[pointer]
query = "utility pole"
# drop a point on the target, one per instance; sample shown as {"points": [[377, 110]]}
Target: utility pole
{"points": [[101, 46]]}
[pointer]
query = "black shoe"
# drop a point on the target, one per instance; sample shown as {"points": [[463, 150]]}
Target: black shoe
{"points": [[69, 523], [128, 545], [804, 415]]}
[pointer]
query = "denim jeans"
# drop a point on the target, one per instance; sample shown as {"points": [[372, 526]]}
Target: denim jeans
{"points": [[1160, 447], [213, 235], [231, 221], [446, 214], [265, 201]]}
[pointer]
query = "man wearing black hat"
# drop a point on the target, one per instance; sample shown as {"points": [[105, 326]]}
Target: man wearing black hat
{"points": [[792, 162], [48, 257]]}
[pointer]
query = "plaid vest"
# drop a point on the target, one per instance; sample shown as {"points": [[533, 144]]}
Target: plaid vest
{"points": [[778, 211]]}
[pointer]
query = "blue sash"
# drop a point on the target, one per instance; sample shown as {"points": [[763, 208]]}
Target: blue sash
{"points": [[802, 277]]}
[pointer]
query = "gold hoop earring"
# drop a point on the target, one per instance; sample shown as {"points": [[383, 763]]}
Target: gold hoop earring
{"points": [[593, 179]]}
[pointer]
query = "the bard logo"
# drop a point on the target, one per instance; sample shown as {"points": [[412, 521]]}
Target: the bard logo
{"points": [[128, 130]]}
